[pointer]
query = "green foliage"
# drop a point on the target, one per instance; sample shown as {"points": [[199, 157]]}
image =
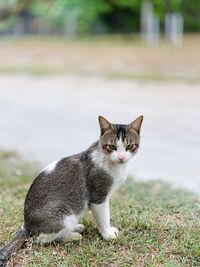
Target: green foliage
{"points": [[117, 16], [191, 12], [109, 15], [61, 13]]}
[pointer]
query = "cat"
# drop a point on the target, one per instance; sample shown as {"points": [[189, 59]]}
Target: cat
{"points": [[66, 189]]}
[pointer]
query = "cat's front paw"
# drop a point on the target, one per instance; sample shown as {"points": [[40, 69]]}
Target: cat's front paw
{"points": [[110, 233]]}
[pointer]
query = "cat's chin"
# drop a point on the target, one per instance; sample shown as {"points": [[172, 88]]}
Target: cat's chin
{"points": [[119, 162]]}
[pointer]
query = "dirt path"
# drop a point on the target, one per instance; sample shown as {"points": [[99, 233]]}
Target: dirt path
{"points": [[45, 118]]}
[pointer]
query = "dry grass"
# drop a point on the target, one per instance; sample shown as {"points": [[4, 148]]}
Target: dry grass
{"points": [[123, 57]]}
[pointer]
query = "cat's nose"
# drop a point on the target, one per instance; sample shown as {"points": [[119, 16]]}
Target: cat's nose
{"points": [[121, 157]]}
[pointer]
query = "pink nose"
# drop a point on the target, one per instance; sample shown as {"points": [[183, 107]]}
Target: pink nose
{"points": [[121, 157]]}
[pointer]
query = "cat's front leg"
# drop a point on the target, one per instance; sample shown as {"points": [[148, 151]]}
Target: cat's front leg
{"points": [[101, 213]]}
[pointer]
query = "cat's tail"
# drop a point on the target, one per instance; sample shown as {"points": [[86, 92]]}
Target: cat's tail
{"points": [[14, 245]]}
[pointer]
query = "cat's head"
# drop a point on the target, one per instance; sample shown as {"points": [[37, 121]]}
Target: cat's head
{"points": [[119, 142]]}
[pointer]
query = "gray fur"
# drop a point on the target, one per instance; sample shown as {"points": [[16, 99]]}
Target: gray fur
{"points": [[74, 181]]}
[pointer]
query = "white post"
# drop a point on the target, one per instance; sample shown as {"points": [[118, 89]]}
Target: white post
{"points": [[174, 28], [71, 23], [146, 12], [150, 29], [19, 27]]}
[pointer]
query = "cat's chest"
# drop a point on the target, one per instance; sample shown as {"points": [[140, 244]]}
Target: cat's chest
{"points": [[119, 175]]}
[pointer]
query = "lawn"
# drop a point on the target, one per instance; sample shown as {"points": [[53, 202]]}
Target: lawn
{"points": [[159, 225]]}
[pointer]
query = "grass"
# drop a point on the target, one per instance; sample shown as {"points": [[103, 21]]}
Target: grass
{"points": [[112, 57], [159, 226]]}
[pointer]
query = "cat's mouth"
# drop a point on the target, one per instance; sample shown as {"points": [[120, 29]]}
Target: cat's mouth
{"points": [[121, 161]]}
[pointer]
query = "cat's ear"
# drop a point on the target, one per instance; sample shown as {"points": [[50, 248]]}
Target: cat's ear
{"points": [[104, 125], [136, 124]]}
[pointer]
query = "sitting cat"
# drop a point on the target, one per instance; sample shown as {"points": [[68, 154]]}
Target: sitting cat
{"points": [[63, 192]]}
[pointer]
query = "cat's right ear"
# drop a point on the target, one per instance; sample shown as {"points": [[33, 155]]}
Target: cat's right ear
{"points": [[136, 124], [104, 125]]}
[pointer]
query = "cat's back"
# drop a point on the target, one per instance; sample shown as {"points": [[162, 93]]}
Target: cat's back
{"points": [[58, 181]]}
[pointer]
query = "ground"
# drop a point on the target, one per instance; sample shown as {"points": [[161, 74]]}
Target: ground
{"points": [[46, 118], [159, 226]]}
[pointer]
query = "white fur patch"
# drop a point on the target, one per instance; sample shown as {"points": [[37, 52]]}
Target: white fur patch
{"points": [[63, 235], [119, 174], [22, 227], [101, 214], [116, 170], [50, 167], [71, 229], [70, 221], [47, 238]]}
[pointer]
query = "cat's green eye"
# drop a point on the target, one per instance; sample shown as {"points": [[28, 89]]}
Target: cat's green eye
{"points": [[112, 147], [130, 147]]}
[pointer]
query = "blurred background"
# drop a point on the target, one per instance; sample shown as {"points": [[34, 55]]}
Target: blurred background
{"points": [[64, 62]]}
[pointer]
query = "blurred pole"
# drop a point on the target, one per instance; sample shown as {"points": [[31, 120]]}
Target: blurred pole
{"points": [[19, 26], [149, 24], [71, 23], [174, 28], [146, 11], [152, 34]]}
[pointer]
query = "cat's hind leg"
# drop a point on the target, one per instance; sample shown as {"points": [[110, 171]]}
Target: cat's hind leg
{"points": [[64, 235], [67, 236], [47, 238], [71, 223], [70, 232], [79, 228], [72, 228]]}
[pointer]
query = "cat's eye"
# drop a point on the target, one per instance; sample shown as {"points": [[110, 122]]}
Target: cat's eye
{"points": [[130, 147], [112, 147]]}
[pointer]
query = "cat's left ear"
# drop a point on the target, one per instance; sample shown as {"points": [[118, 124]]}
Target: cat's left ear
{"points": [[136, 124], [104, 125]]}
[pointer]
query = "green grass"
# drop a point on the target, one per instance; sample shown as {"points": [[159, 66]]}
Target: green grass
{"points": [[159, 226]]}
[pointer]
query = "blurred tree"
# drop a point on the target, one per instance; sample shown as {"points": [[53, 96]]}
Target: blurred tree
{"points": [[123, 16], [97, 15], [10, 10], [191, 13], [59, 13]]}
